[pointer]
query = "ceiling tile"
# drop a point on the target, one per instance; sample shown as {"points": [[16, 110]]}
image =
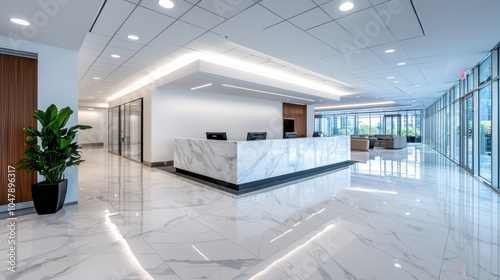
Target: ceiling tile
{"points": [[414, 76], [335, 36], [342, 63], [98, 38], [236, 54], [376, 2], [225, 9], [391, 58], [202, 18], [310, 19], [89, 53], [366, 58], [177, 35], [210, 43], [367, 27], [254, 59], [295, 38], [321, 2], [123, 53], [112, 16], [178, 10], [332, 8], [247, 23], [272, 65], [145, 29], [292, 7], [400, 18], [126, 44], [158, 52]]}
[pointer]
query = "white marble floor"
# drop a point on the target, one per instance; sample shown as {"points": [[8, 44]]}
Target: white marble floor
{"points": [[398, 214]]}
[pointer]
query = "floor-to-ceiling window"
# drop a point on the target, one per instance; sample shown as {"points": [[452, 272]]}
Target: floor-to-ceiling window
{"points": [[364, 125], [406, 123], [468, 148], [465, 122], [485, 132], [456, 131]]}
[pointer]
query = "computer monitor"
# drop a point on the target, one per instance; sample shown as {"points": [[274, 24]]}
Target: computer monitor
{"points": [[251, 136], [290, 135], [216, 136], [318, 134]]}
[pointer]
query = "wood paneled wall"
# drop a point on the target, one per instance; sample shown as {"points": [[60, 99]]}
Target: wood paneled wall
{"points": [[18, 102], [299, 114]]}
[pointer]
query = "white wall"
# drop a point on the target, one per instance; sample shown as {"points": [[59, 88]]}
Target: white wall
{"points": [[57, 84], [95, 119], [184, 113]]}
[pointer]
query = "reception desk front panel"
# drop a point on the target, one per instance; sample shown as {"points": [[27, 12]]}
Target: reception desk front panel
{"points": [[243, 162]]}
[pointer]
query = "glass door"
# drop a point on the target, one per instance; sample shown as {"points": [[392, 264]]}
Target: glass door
{"points": [[485, 133], [114, 130], [468, 133], [392, 124], [125, 130], [133, 130]]}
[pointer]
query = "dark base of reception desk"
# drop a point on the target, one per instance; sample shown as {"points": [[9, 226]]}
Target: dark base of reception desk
{"points": [[269, 182]]}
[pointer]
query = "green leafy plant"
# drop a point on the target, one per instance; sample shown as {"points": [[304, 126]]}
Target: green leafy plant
{"points": [[52, 149]]}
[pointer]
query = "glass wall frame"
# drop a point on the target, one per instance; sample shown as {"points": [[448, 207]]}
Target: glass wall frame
{"points": [[410, 123], [464, 123], [125, 130]]}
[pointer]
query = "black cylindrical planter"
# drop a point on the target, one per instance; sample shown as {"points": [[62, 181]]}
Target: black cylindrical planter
{"points": [[49, 198]]}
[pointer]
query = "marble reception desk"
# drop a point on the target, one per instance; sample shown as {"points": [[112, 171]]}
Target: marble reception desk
{"points": [[252, 164]]}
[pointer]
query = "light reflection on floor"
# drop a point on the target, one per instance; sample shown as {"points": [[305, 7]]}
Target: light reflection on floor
{"points": [[397, 214]]}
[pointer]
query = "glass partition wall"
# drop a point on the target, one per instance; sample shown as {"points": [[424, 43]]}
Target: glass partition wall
{"points": [[125, 130], [466, 121], [402, 123]]}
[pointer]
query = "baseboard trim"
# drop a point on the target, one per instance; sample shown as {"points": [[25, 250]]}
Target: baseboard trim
{"points": [[159, 163], [92, 145]]}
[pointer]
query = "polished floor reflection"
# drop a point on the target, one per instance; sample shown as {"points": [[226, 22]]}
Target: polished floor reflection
{"points": [[397, 214]]}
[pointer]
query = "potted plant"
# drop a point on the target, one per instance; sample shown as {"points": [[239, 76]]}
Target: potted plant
{"points": [[51, 151]]}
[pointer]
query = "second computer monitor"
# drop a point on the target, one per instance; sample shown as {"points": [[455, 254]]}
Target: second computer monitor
{"points": [[251, 136]]}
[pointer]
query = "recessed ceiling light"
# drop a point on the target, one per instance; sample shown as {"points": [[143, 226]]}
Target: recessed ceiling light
{"points": [[20, 21], [396, 81], [133, 37], [389, 51], [96, 78], [166, 4], [390, 77], [115, 56], [346, 6], [401, 63], [99, 91], [91, 97]]}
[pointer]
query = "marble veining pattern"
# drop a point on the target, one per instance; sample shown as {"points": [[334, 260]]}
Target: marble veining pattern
{"points": [[240, 162], [212, 158], [397, 214]]}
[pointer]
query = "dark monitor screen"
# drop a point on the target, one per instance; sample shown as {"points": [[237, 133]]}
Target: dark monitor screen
{"points": [[290, 134], [318, 134], [256, 136], [216, 136]]}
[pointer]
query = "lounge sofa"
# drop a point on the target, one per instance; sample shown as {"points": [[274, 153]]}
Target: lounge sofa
{"points": [[360, 143], [390, 141]]}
